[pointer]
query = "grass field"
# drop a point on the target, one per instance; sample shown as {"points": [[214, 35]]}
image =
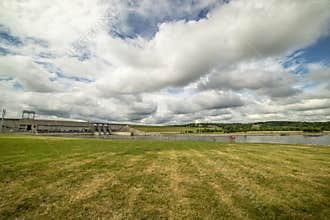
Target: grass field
{"points": [[128, 179]]}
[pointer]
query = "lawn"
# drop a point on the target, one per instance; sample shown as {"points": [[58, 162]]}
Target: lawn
{"points": [[65, 178]]}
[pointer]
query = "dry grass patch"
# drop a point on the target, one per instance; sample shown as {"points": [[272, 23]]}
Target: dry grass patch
{"points": [[137, 179]]}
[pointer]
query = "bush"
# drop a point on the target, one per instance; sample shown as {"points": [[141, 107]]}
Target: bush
{"points": [[312, 130]]}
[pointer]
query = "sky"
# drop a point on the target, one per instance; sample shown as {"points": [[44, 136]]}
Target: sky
{"points": [[166, 62]]}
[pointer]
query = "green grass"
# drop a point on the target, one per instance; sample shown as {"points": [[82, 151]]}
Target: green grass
{"points": [[69, 178]]}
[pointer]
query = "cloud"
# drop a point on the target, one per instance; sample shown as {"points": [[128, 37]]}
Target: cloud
{"points": [[319, 73], [163, 62], [203, 101], [141, 18], [266, 77], [182, 52], [27, 73]]}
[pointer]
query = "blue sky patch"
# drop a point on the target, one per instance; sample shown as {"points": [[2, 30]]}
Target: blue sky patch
{"points": [[51, 68], [4, 51], [146, 26], [6, 78], [74, 78], [37, 41], [7, 38], [17, 86], [45, 55], [174, 90], [316, 53], [10, 40], [80, 51]]}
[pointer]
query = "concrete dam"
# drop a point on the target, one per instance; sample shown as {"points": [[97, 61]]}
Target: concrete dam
{"points": [[28, 123]]}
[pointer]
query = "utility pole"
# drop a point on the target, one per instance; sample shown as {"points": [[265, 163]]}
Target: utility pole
{"points": [[2, 118]]}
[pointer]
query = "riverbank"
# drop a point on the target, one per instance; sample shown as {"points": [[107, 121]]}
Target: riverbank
{"points": [[256, 133], [135, 132]]}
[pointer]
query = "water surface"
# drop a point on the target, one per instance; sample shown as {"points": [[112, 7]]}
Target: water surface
{"points": [[278, 139]]}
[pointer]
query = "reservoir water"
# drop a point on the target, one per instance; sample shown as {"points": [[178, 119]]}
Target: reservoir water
{"points": [[278, 139]]}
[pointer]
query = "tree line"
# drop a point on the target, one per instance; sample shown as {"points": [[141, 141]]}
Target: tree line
{"points": [[259, 126]]}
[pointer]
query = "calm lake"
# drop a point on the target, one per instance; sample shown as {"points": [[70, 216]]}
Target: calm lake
{"points": [[289, 139]]}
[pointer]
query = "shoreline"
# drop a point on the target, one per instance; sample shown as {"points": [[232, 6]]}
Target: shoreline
{"points": [[249, 133], [301, 139], [141, 133], [178, 134]]}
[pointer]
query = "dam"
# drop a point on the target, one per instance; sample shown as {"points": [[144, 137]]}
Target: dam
{"points": [[28, 123]]}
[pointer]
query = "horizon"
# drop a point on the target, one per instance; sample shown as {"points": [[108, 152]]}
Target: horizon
{"points": [[166, 63]]}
